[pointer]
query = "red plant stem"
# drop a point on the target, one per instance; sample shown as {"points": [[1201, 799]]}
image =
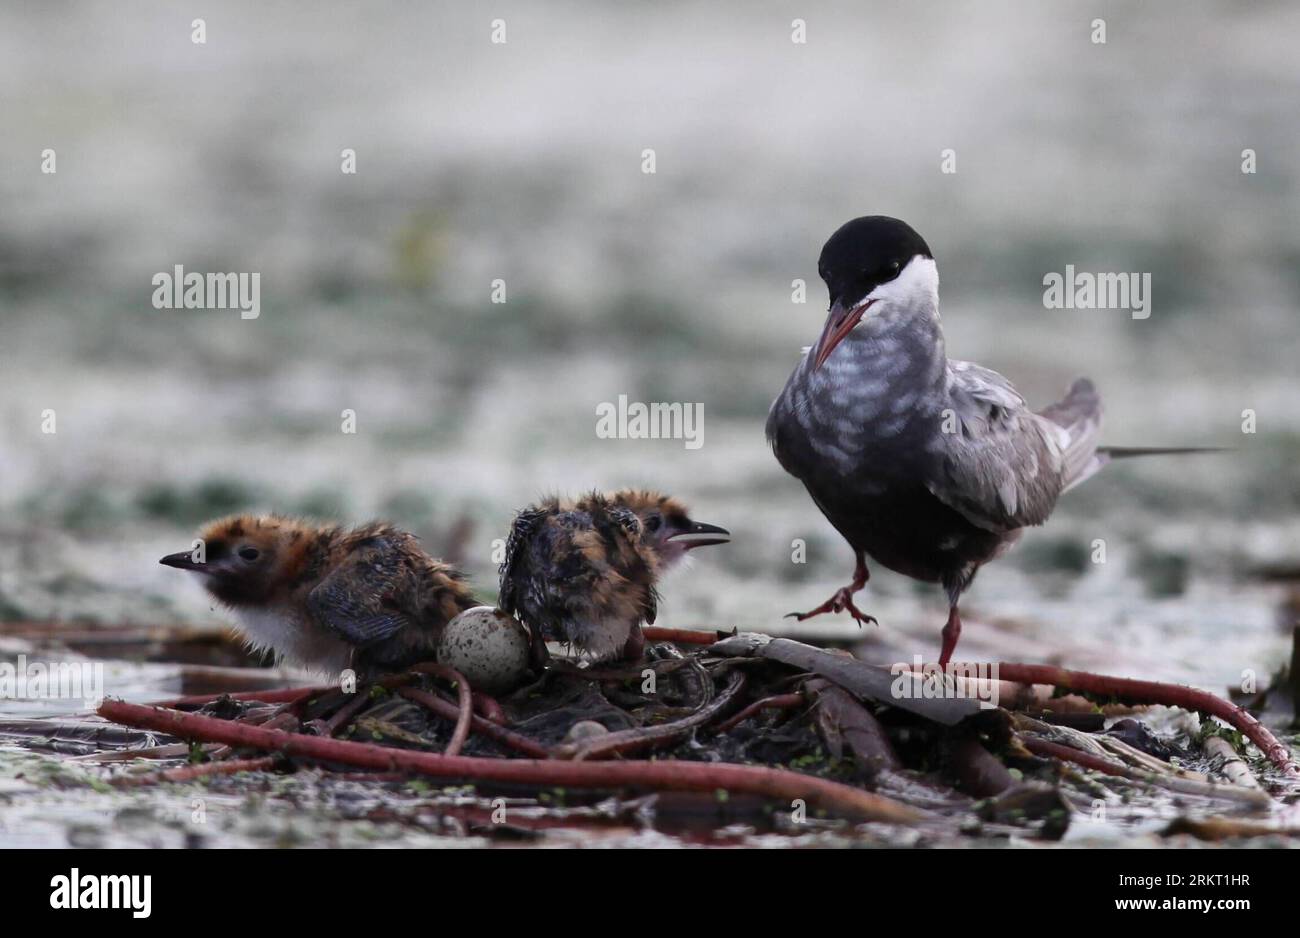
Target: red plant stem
{"points": [[1172, 695], [655, 633], [277, 695], [190, 773], [1042, 747], [465, 696], [494, 732], [488, 708], [775, 702], [344, 715], [672, 775], [371, 776]]}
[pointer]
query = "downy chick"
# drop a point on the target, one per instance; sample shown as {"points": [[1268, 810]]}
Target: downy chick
{"points": [[584, 572], [326, 597]]}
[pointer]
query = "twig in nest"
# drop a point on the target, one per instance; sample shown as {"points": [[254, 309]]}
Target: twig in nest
{"points": [[775, 702], [495, 732], [1043, 747], [1234, 769], [865, 681], [1182, 784], [488, 708], [978, 772], [671, 775], [281, 717], [169, 751], [343, 716], [1172, 695], [841, 719], [646, 737], [278, 695], [1104, 746], [465, 697], [191, 773], [655, 633]]}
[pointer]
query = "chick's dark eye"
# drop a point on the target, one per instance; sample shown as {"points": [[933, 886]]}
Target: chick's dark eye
{"points": [[248, 553], [652, 523]]}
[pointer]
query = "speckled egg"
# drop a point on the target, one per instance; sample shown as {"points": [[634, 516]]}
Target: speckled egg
{"points": [[488, 646]]}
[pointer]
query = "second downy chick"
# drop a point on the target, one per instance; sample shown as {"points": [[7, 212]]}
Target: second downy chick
{"points": [[584, 572]]}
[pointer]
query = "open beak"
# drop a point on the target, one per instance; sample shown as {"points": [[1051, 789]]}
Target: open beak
{"points": [[181, 561], [839, 323], [700, 534]]}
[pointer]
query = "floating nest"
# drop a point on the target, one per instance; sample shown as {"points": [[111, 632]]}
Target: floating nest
{"points": [[775, 733]]}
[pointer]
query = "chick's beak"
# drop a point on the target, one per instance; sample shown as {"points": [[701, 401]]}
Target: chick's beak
{"points": [[181, 561], [700, 534], [839, 323]]}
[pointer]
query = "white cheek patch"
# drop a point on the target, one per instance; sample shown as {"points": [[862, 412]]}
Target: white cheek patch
{"points": [[917, 284]]}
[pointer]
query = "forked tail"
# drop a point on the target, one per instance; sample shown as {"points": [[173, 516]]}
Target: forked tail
{"points": [[1125, 452], [1078, 414]]}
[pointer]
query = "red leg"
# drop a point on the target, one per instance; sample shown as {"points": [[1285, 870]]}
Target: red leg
{"points": [[951, 632], [842, 601]]}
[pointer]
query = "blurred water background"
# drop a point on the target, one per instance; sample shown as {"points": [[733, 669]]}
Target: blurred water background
{"points": [[522, 161]]}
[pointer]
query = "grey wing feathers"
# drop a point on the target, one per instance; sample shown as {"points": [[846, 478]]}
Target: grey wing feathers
{"points": [[350, 601], [1079, 415], [1001, 464]]}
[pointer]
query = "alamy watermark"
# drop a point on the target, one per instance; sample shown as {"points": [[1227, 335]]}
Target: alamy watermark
{"points": [[77, 891], [1083, 290], [56, 680], [181, 290], [956, 680], [655, 421]]}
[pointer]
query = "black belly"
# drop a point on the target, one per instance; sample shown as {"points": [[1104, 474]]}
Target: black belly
{"points": [[907, 530], [881, 505]]}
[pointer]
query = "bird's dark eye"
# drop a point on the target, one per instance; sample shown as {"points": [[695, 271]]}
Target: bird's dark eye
{"points": [[249, 553], [652, 523]]}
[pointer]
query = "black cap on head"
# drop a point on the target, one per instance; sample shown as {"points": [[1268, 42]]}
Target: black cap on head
{"points": [[867, 252]]}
